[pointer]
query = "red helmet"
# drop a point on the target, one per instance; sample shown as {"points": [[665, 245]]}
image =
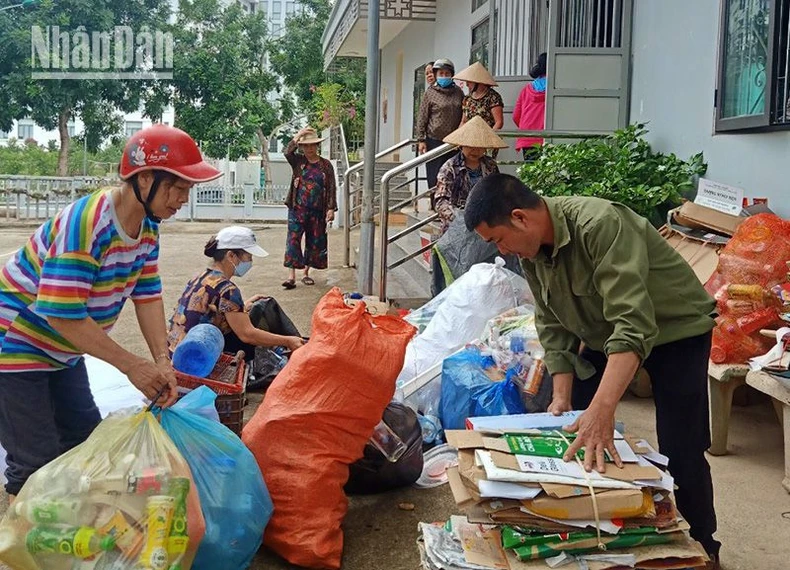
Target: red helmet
{"points": [[161, 147]]}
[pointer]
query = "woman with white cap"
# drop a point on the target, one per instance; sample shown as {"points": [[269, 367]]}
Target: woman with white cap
{"points": [[311, 201], [459, 175], [211, 297]]}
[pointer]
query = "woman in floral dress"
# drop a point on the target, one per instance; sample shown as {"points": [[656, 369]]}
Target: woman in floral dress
{"points": [[311, 201]]}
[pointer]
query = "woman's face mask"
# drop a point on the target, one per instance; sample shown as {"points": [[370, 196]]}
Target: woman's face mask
{"points": [[444, 81], [241, 268]]}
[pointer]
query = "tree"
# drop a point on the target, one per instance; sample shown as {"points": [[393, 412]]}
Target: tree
{"points": [[297, 57], [223, 94], [52, 103]]}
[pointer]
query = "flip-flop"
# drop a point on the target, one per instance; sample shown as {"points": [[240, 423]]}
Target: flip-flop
{"points": [[289, 284], [308, 280]]}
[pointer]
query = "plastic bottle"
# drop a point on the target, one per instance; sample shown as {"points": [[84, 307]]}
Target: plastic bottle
{"points": [[54, 511], [757, 320], [387, 442], [430, 429], [199, 350], [534, 378], [517, 342], [159, 518], [177, 542], [79, 542]]}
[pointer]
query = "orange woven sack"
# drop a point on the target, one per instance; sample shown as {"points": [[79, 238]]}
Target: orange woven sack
{"points": [[315, 420], [756, 257]]}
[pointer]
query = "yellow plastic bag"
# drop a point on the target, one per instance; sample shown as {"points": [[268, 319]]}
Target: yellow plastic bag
{"points": [[123, 499]]}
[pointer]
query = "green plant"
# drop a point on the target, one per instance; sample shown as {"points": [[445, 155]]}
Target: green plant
{"points": [[621, 167]]}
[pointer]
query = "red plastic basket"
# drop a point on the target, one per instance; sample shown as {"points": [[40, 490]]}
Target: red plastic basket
{"points": [[229, 381]]}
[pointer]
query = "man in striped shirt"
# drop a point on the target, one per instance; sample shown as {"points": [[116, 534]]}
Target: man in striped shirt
{"points": [[61, 294]]}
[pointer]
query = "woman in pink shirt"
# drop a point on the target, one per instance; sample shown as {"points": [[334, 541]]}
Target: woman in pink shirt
{"points": [[529, 114]]}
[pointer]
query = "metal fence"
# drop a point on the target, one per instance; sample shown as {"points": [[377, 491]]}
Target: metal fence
{"points": [[41, 197]]}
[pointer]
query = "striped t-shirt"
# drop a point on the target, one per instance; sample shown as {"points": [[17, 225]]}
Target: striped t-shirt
{"points": [[79, 264]]}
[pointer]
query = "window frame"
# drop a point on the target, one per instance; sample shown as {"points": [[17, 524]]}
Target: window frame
{"points": [[751, 123], [25, 125], [484, 22], [478, 4], [126, 127]]}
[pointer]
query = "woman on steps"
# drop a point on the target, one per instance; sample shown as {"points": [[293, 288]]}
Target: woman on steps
{"points": [[312, 202]]}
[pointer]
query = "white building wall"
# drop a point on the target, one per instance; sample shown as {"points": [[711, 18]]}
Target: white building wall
{"points": [[450, 37], [675, 45]]}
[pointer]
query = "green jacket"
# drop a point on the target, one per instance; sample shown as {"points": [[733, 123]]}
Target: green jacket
{"points": [[612, 282]]}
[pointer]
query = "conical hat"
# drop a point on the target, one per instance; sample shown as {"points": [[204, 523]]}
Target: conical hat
{"points": [[475, 133], [476, 73]]}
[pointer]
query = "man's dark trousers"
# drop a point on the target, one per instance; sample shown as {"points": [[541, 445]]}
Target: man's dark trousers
{"points": [[679, 376]]}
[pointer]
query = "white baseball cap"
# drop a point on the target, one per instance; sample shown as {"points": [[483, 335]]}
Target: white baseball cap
{"points": [[239, 237]]}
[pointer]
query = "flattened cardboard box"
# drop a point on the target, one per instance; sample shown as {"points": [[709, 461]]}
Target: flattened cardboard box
{"points": [[628, 473], [693, 215], [703, 257]]}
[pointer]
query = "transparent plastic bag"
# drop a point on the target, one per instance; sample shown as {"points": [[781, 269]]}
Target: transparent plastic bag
{"points": [[460, 314], [234, 498], [122, 500]]}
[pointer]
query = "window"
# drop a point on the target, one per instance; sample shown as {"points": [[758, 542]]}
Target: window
{"points": [[132, 127], [70, 128], [480, 49], [24, 131], [290, 8], [478, 4], [4, 134], [277, 10], [753, 88], [273, 145]]}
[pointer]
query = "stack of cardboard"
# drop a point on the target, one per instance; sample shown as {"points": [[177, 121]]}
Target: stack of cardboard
{"points": [[524, 504]]}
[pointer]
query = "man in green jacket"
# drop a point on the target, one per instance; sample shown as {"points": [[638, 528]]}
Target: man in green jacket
{"points": [[605, 280]]}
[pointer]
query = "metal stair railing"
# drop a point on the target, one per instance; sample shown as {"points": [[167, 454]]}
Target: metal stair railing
{"points": [[386, 209], [349, 223], [386, 240]]}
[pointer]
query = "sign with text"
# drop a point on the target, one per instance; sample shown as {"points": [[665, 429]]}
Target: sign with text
{"points": [[718, 196]]}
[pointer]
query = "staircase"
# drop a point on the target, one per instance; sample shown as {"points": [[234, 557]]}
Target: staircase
{"points": [[410, 283]]}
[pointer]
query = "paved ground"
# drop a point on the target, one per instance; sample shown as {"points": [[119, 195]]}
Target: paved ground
{"points": [[754, 510]]}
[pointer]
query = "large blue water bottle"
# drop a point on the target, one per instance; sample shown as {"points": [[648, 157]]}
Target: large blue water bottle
{"points": [[199, 350]]}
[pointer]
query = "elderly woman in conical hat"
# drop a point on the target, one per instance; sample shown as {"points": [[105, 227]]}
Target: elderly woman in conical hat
{"points": [[460, 173]]}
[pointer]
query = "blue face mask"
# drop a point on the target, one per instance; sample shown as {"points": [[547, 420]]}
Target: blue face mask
{"points": [[444, 81], [242, 268]]}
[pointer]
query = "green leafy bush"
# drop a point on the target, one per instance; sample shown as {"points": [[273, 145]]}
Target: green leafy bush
{"points": [[621, 167]]}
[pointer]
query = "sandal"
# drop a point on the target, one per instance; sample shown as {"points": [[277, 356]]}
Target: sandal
{"points": [[289, 284], [308, 280]]}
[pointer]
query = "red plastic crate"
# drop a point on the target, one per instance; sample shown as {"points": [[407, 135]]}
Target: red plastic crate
{"points": [[229, 381]]}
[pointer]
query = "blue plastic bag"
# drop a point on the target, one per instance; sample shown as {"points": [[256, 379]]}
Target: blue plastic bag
{"points": [[468, 392], [233, 495]]}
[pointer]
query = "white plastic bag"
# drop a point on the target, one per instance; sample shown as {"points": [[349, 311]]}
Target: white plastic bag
{"points": [[460, 314]]}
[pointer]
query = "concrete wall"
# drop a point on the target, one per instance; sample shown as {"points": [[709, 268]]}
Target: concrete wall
{"points": [[675, 45]]}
